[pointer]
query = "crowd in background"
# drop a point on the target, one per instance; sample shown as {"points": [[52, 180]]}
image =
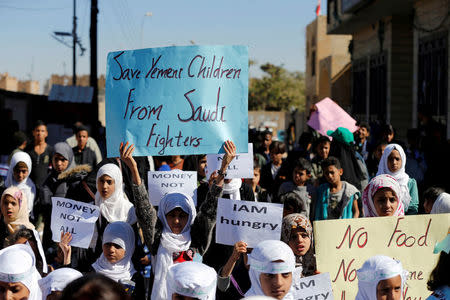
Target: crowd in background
{"points": [[341, 175]]}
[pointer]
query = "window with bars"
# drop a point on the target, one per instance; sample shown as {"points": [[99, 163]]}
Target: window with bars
{"points": [[359, 75], [432, 86], [378, 87]]}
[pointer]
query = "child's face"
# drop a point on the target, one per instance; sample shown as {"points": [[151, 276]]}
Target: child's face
{"points": [[113, 252], [385, 202], [379, 152], [13, 290], [390, 289], [106, 186], [267, 140], [427, 206], [299, 241], [323, 149], [201, 167], [394, 161], [10, 208], [177, 219], [333, 174], [59, 162], [82, 138], [275, 285], [300, 177], [40, 133], [255, 179], [20, 173]]}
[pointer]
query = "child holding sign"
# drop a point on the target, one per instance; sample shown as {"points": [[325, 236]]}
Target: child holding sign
{"points": [[272, 264], [178, 234], [336, 199]]}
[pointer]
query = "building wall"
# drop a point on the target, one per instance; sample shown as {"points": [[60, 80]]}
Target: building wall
{"points": [[331, 57], [8, 83]]}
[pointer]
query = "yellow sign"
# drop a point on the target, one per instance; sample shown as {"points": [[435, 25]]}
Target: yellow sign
{"points": [[342, 246]]}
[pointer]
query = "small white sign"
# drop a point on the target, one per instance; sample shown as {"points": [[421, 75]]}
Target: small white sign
{"points": [[248, 221], [240, 167], [161, 183], [312, 287], [77, 218]]}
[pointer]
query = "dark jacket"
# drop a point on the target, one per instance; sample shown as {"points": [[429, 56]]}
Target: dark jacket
{"points": [[269, 183]]}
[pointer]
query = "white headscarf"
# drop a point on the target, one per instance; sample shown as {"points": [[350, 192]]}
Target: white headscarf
{"points": [[441, 205], [262, 260], [401, 176], [18, 264], [380, 182], [374, 270], [27, 185], [117, 207], [57, 280], [122, 234], [192, 279], [232, 189], [171, 242], [258, 298]]}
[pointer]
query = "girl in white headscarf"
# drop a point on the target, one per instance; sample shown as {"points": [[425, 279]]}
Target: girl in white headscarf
{"points": [[114, 204], [19, 176], [54, 283], [192, 279], [18, 274], [393, 162], [115, 261], [178, 233], [272, 264], [380, 197], [381, 274]]}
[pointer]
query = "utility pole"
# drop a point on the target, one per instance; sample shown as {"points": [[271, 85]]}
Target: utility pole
{"points": [[74, 36], [93, 77]]}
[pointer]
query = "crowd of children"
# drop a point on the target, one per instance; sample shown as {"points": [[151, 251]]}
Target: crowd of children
{"points": [[140, 251]]}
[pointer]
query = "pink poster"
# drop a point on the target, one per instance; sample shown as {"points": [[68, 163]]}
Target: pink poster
{"points": [[329, 116]]}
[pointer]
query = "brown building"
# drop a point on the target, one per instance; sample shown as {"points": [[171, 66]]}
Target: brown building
{"points": [[10, 83], [399, 54], [327, 64]]}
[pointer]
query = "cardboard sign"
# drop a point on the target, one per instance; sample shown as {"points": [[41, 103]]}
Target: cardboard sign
{"points": [[240, 167], [164, 182], [177, 100], [329, 116], [312, 287], [342, 246], [77, 218], [248, 221]]}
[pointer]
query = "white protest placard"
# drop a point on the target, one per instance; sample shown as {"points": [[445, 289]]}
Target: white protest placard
{"points": [[240, 167], [77, 218], [248, 221], [317, 287], [161, 183]]}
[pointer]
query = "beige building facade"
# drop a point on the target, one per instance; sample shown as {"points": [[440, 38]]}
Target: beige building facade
{"points": [[11, 84], [327, 72], [399, 56]]}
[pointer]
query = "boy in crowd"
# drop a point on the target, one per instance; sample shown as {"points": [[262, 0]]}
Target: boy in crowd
{"points": [[300, 184], [362, 135], [323, 146], [336, 199], [82, 154]]}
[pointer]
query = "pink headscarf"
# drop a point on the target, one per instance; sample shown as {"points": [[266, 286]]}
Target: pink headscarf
{"points": [[380, 182]]}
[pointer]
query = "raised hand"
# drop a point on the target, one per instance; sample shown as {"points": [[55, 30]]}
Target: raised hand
{"points": [[126, 155], [66, 238]]}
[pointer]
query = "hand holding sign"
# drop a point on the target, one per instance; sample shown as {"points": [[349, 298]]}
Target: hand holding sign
{"points": [[239, 249], [66, 238], [230, 154]]}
